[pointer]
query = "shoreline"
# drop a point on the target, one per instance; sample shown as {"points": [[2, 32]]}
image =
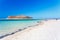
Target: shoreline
{"points": [[19, 30], [49, 24]]}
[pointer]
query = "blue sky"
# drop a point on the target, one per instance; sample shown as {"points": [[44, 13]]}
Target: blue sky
{"points": [[34, 8]]}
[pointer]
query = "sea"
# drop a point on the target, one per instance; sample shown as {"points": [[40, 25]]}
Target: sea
{"points": [[9, 26]]}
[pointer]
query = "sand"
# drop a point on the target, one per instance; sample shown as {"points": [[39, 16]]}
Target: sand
{"points": [[46, 30]]}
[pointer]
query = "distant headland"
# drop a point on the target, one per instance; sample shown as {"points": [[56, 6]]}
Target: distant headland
{"points": [[19, 17]]}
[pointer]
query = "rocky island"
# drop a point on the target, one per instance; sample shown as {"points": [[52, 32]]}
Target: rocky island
{"points": [[19, 17]]}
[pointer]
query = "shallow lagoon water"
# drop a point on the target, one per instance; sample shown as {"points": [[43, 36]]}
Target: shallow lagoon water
{"points": [[9, 26]]}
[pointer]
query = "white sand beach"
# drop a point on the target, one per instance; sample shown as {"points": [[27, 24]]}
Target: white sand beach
{"points": [[47, 30]]}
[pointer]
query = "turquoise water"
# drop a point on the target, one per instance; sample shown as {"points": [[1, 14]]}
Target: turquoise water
{"points": [[8, 26]]}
